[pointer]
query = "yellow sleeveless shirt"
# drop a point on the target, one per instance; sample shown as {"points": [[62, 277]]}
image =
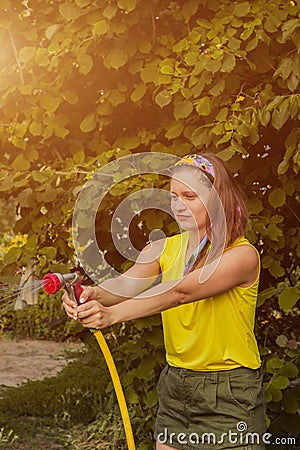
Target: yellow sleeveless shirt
{"points": [[215, 333]]}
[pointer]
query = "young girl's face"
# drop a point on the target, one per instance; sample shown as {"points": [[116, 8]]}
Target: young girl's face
{"points": [[188, 198]]}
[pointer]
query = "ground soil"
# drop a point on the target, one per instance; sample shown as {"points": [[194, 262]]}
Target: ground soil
{"points": [[30, 359]]}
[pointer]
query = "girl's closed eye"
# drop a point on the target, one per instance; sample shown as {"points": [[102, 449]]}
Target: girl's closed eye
{"points": [[191, 196]]}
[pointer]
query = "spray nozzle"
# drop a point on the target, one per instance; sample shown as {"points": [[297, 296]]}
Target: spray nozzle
{"points": [[71, 282]]}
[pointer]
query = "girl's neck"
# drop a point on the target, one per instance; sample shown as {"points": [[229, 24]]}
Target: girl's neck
{"points": [[195, 238]]}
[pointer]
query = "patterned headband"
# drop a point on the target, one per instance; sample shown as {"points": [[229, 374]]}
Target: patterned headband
{"points": [[200, 162]]}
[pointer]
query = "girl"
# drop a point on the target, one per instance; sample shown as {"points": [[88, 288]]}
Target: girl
{"points": [[210, 392]]}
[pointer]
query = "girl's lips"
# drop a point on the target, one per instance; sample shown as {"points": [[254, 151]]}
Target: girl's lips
{"points": [[182, 217]]}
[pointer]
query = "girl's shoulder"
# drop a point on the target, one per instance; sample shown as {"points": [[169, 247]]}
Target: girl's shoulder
{"points": [[242, 241], [242, 250]]}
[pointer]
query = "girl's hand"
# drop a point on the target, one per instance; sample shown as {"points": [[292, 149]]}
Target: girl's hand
{"points": [[94, 315], [88, 293]]}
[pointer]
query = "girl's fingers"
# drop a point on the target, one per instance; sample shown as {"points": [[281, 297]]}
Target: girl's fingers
{"points": [[86, 294], [69, 306]]}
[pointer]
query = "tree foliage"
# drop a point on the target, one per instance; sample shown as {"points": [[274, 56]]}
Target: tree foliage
{"points": [[85, 82]]}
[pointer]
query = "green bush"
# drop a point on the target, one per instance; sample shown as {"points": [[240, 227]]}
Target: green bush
{"points": [[45, 320]]}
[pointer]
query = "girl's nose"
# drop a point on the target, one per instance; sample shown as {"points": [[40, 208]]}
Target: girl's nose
{"points": [[178, 205]]}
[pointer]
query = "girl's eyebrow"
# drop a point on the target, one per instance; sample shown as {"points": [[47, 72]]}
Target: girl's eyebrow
{"points": [[184, 192]]}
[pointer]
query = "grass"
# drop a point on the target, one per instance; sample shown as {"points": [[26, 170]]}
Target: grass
{"points": [[31, 433], [69, 411]]}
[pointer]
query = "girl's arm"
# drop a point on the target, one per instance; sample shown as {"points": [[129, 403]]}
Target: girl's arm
{"points": [[237, 267], [115, 290]]}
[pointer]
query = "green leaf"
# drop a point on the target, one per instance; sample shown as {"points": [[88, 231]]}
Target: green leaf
{"points": [[79, 157], [82, 3], [49, 102], [289, 370], [183, 109], [150, 401], [280, 382], [226, 154], [277, 198], [12, 255], [88, 123], [203, 107], [288, 298], [50, 31], [35, 128], [199, 137], [293, 81], [146, 365], [42, 57], [21, 163], [60, 131], [264, 117], [241, 9], [163, 98], [49, 252], [276, 393], [251, 45], [167, 70], [132, 397], [48, 195], [138, 92], [243, 130], [273, 364], [85, 63], [189, 8], [127, 5], [281, 114], [274, 232], [150, 73], [218, 88], [281, 340], [26, 54], [285, 68], [213, 65], [191, 58], [283, 167], [246, 33], [116, 97], [268, 395], [101, 27], [181, 46], [222, 115], [116, 58], [174, 131], [228, 62], [69, 11], [255, 205], [234, 44], [276, 269], [39, 176], [110, 11], [71, 97]]}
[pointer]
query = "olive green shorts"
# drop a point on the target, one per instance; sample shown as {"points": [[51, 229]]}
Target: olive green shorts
{"points": [[211, 410]]}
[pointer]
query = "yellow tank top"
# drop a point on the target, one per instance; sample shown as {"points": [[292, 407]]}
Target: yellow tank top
{"points": [[211, 334]]}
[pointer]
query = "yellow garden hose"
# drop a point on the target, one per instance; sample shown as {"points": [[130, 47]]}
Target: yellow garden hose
{"points": [[118, 388], [52, 283]]}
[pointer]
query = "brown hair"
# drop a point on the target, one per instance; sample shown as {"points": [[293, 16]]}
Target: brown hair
{"points": [[232, 199]]}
